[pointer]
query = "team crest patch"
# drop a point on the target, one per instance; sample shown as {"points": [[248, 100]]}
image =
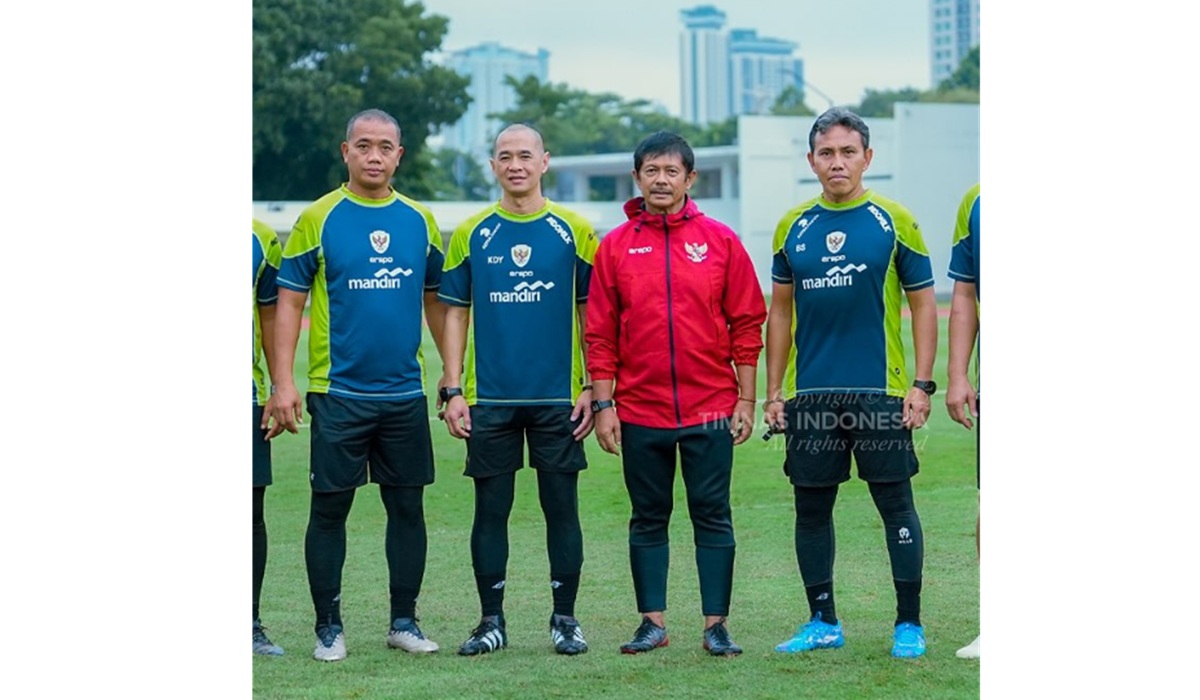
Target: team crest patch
{"points": [[835, 241], [696, 252], [380, 241], [520, 254]]}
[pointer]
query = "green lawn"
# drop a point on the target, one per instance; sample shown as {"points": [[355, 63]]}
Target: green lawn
{"points": [[768, 598]]}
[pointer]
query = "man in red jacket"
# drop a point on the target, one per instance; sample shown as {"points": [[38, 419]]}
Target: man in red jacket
{"points": [[674, 331]]}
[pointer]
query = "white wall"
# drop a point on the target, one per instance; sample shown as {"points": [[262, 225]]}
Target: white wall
{"points": [[938, 162]]}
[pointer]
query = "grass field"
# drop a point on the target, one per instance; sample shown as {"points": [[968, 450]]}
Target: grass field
{"points": [[768, 597]]}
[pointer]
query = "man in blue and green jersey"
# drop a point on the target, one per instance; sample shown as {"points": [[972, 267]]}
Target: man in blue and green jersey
{"points": [[962, 399], [516, 283], [371, 260], [265, 262], [837, 381]]}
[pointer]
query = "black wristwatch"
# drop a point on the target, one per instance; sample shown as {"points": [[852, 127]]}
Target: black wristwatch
{"points": [[598, 406], [929, 387], [447, 392]]}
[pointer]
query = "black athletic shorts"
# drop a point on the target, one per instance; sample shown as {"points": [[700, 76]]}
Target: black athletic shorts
{"points": [[262, 451], [499, 433], [356, 440], [823, 430]]}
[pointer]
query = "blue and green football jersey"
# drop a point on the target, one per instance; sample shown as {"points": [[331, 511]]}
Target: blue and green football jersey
{"points": [[265, 259], [367, 264], [522, 276], [848, 264]]}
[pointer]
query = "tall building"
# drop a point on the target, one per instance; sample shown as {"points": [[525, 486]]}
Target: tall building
{"points": [[487, 65], [729, 72], [954, 31], [704, 66], [760, 69]]}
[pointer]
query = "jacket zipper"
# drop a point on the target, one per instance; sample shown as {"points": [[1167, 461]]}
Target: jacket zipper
{"points": [[671, 326]]}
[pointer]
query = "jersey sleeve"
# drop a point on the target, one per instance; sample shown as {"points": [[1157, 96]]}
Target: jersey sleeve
{"points": [[301, 255], [962, 251], [456, 272], [434, 258], [585, 253], [912, 257], [781, 269], [267, 290]]}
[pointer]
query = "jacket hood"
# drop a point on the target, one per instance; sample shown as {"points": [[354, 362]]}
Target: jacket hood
{"points": [[634, 209]]}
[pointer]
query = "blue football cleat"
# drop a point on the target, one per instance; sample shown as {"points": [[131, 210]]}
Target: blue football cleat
{"points": [[909, 641], [814, 634]]}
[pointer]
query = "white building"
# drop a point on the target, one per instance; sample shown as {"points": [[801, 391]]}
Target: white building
{"points": [[925, 157], [487, 65], [953, 32], [759, 70], [704, 66]]}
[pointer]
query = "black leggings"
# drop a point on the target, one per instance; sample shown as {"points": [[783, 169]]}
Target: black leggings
{"points": [[405, 544], [259, 547], [559, 497], [815, 538]]}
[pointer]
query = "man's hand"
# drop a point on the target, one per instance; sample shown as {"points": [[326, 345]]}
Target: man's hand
{"points": [[960, 394], [458, 417], [741, 422], [916, 408], [583, 409], [773, 414], [608, 430], [286, 410]]}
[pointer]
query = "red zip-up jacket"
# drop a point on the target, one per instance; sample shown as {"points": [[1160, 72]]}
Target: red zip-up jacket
{"points": [[673, 305]]}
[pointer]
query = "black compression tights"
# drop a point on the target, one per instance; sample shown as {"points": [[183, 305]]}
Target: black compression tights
{"points": [[259, 547], [559, 498]]}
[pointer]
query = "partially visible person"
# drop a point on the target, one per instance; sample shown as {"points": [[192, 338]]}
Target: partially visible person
{"points": [[522, 265], [265, 262], [674, 331], [962, 399], [837, 380], [372, 260]]}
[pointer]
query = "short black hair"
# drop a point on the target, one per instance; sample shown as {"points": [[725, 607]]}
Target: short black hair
{"points": [[839, 116], [663, 143]]}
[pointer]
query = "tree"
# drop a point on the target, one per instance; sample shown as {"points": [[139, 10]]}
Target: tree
{"points": [[878, 103], [965, 77], [318, 62], [456, 176], [790, 102], [961, 87], [576, 122]]}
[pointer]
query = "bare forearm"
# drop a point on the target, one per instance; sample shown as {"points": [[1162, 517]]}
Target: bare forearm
{"points": [[964, 326], [602, 389], [435, 316], [924, 330], [266, 322], [454, 343], [288, 314], [779, 345], [747, 379]]}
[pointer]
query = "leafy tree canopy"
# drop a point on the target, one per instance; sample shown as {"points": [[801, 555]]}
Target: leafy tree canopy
{"points": [[318, 62]]}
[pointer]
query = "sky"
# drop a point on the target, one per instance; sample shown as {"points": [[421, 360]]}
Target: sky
{"points": [[631, 47]]}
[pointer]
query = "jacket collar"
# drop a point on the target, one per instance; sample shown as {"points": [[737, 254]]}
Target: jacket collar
{"points": [[635, 210]]}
